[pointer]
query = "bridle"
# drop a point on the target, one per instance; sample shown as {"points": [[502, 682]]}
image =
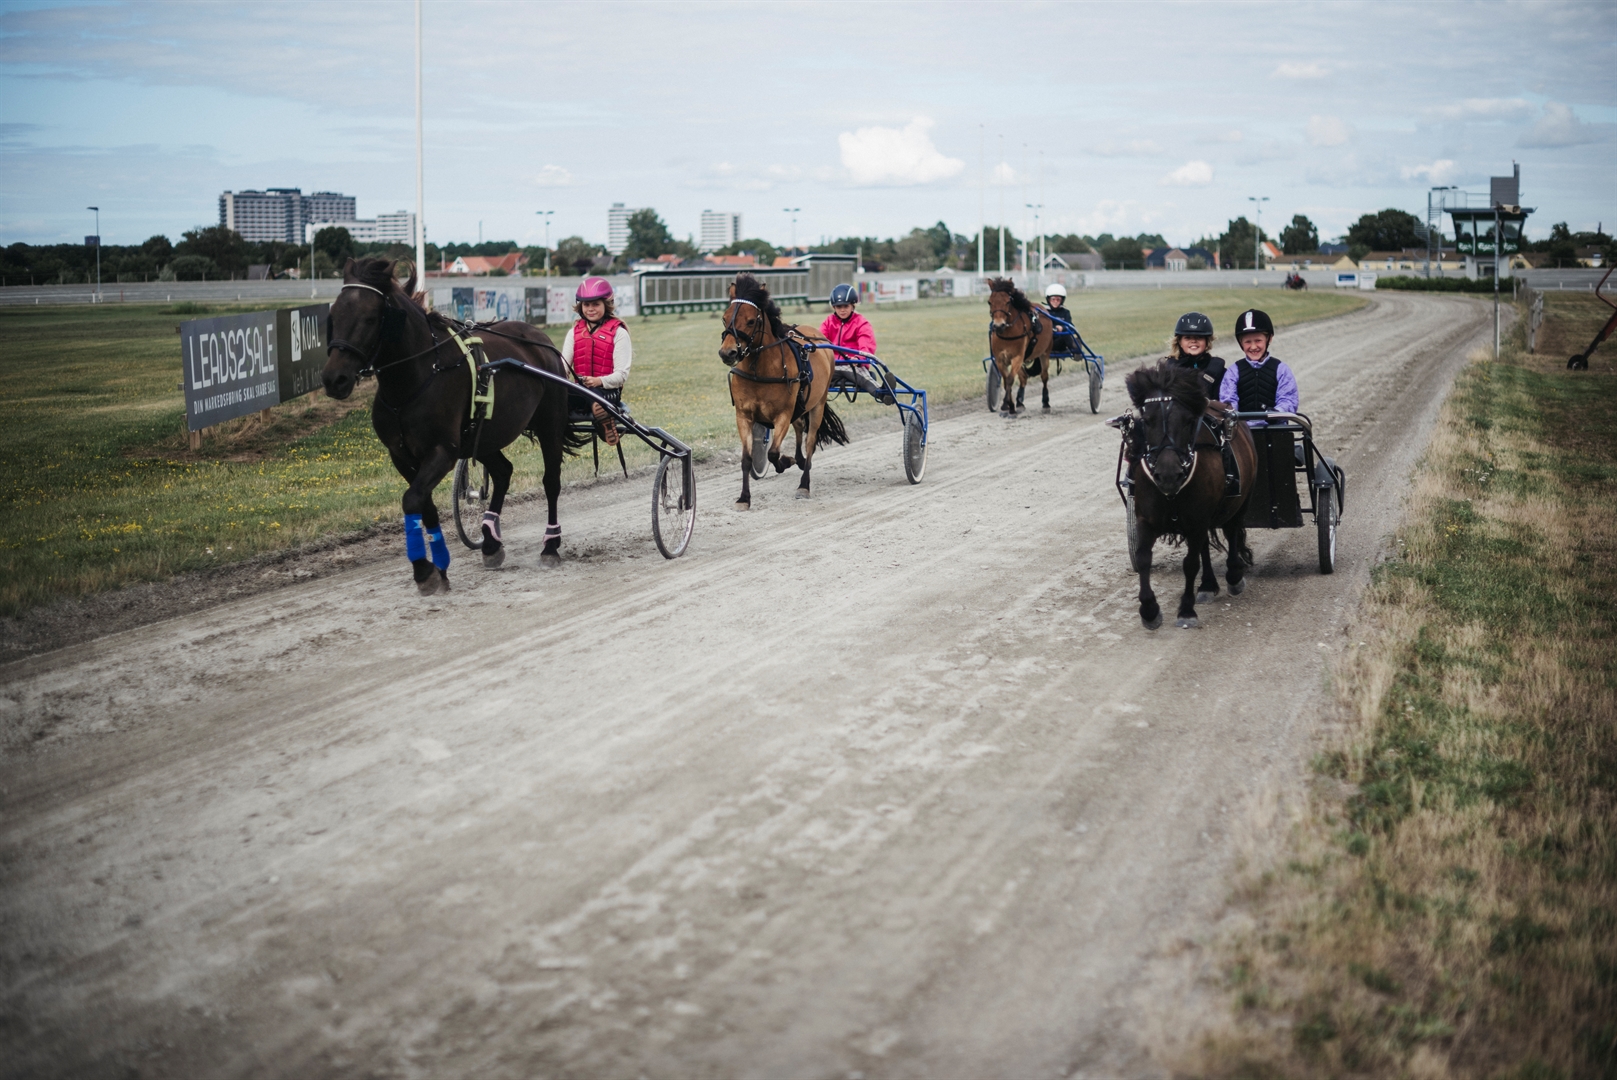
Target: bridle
{"points": [[391, 316], [1152, 451], [999, 331], [749, 347]]}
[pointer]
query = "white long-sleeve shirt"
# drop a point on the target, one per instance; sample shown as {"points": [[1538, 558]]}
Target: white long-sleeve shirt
{"points": [[622, 357]]}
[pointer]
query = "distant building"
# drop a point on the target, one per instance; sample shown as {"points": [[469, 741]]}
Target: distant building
{"points": [[1073, 260], [617, 227], [731, 260], [395, 228], [510, 263], [280, 214], [720, 229]]}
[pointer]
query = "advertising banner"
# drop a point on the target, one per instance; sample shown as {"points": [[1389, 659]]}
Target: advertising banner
{"points": [[229, 367], [559, 306], [495, 305], [300, 334]]}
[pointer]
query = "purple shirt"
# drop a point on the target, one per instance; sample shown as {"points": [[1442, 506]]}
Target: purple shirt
{"points": [[1286, 399]]}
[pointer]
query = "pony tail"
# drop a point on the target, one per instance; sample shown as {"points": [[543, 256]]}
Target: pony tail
{"points": [[830, 428]]}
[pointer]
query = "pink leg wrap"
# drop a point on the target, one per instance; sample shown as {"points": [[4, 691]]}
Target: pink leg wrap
{"points": [[491, 522]]}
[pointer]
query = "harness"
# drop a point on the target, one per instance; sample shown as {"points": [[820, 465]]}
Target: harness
{"points": [[750, 348], [1031, 334]]}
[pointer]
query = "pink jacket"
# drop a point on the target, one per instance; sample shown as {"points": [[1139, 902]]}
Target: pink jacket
{"points": [[853, 334]]}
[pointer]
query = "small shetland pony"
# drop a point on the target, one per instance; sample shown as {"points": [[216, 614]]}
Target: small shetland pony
{"points": [[1177, 471], [1018, 350], [775, 381], [423, 405]]}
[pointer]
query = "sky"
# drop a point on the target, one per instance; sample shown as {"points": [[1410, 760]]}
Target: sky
{"points": [[861, 118]]}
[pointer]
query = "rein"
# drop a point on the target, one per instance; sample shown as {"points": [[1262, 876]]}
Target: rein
{"points": [[1153, 451], [751, 348]]}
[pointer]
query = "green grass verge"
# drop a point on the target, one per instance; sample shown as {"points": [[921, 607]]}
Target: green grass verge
{"points": [[1444, 285], [1451, 910], [98, 489]]}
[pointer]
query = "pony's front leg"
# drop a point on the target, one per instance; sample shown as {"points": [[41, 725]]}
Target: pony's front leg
{"points": [[423, 533], [1186, 619], [499, 471], [1150, 613], [777, 439], [1045, 375], [744, 427], [1007, 379]]}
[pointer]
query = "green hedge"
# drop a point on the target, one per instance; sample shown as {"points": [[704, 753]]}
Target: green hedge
{"points": [[1446, 284]]}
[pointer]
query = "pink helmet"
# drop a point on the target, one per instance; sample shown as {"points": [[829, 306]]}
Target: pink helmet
{"points": [[593, 288]]}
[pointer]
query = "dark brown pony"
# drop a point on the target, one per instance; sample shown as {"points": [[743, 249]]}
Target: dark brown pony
{"points": [[1177, 471], [1017, 350], [423, 405], [768, 386]]}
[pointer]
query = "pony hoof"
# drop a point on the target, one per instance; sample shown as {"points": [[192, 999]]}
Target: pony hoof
{"points": [[428, 587], [803, 493], [743, 506], [549, 558], [1187, 622], [494, 561], [1206, 597], [781, 465], [1151, 624], [1238, 587]]}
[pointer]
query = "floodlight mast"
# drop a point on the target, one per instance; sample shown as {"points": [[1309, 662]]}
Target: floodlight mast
{"points": [[1257, 231], [420, 222], [546, 215], [97, 210]]}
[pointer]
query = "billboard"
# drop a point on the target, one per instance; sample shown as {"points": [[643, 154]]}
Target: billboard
{"points": [[229, 367], [301, 335]]}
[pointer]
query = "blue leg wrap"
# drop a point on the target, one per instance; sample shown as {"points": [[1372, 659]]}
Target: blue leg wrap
{"points": [[440, 551], [415, 545]]}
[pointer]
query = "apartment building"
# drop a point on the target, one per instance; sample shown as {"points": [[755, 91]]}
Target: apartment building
{"points": [[720, 229]]}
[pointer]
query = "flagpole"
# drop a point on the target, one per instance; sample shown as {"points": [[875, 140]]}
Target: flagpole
{"points": [[420, 222]]}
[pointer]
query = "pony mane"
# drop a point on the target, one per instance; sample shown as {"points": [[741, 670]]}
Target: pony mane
{"points": [[753, 291], [1182, 384], [378, 274], [1006, 285]]}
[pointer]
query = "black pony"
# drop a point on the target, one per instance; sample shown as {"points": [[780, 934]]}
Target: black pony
{"points": [[1177, 472], [423, 410]]}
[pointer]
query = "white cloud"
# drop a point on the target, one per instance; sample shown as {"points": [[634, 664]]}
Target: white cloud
{"points": [[1327, 131], [1440, 171], [1560, 126], [554, 176], [896, 156], [1190, 174], [1484, 109], [1133, 148], [1292, 70], [1002, 175]]}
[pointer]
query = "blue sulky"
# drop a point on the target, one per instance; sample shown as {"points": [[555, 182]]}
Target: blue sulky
{"points": [[1077, 352], [866, 374]]}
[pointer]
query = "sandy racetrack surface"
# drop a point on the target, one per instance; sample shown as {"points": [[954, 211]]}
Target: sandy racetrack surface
{"points": [[887, 782]]}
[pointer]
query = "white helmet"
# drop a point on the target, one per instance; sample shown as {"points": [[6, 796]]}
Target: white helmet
{"points": [[1056, 289]]}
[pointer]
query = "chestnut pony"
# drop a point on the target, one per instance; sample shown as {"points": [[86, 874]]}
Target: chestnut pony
{"points": [[423, 405], [777, 379], [1017, 350], [1177, 471]]}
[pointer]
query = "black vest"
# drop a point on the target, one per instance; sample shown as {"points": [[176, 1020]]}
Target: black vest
{"points": [[1211, 369], [1256, 387]]}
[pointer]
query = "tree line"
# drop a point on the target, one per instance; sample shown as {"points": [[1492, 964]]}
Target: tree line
{"points": [[217, 253]]}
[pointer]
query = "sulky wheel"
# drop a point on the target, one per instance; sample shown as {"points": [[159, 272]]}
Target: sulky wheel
{"points": [[1326, 521], [673, 505], [1095, 379], [914, 449], [760, 450], [472, 487], [993, 387]]}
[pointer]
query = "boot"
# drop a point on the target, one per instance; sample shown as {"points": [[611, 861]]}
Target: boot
{"points": [[609, 430]]}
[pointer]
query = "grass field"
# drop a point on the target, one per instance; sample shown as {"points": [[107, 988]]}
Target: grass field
{"points": [[99, 490], [1449, 904]]}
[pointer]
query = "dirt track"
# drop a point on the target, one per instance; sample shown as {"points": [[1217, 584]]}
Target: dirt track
{"points": [[890, 782]]}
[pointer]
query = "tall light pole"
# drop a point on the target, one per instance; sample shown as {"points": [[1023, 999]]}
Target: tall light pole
{"points": [[546, 215], [1440, 201], [1257, 231], [794, 211], [97, 210], [1001, 211], [420, 210], [982, 194], [1037, 230]]}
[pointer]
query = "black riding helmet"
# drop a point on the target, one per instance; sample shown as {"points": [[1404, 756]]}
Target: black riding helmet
{"points": [[1193, 324], [1253, 321]]}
